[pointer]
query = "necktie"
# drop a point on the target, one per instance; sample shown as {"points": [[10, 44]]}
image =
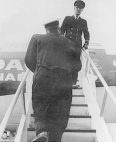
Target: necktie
{"points": [[76, 17]]}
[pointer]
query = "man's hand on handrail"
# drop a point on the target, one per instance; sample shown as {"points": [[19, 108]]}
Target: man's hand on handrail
{"points": [[85, 46], [86, 52]]}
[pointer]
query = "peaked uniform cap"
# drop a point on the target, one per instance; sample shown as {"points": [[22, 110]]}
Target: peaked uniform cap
{"points": [[79, 3], [51, 24]]}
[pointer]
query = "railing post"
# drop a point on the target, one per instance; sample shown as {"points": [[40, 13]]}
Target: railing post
{"points": [[23, 101], [103, 103], [87, 67], [87, 62]]}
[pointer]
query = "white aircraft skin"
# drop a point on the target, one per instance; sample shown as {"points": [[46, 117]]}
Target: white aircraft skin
{"points": [[12, 69]]}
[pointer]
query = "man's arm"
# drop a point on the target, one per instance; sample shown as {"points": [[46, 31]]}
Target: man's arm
{"points": [[86, 36], [63, 26], [31, 54]]}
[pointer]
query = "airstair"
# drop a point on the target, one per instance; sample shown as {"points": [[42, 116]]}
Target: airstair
{"points": [[79, 123], [86, 122]]}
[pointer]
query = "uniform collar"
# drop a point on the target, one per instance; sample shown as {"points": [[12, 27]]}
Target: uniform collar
{"points": [[76, 17]]}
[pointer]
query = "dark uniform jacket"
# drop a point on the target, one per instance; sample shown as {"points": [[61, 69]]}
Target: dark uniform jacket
{"points": [[74, 28], [52, 50]]}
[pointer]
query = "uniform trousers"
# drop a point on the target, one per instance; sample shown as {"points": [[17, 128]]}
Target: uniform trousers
{"points": [[51, 101]]}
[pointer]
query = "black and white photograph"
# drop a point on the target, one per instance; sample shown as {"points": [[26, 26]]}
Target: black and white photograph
{"points": [[57, 70]]}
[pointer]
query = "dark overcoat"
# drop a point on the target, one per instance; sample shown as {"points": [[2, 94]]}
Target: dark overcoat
{"points": [[52, 50], [74, 28], [53, 59]]}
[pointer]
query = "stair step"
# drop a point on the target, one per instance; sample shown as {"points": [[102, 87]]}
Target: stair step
{"points": [[78, 99], [30, 134], [74, 122], [79, 109], [79, 122], [77, 91], [79, 88], [79, 135]]}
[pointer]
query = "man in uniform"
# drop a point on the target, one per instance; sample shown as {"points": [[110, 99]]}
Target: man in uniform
{"points": [[53, 59], [73, 27]]}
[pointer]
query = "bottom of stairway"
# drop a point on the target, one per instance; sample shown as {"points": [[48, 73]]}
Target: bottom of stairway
{"points": [[79, 135]]}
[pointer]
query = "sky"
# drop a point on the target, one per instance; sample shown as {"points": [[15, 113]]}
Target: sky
{"points": [[20, 19]]}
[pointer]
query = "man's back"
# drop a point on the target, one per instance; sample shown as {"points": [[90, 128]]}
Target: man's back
{"points": [[53, 50], [53, 59]]}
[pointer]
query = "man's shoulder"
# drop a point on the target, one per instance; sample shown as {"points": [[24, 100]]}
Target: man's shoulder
{"points": [[38, 35], [82, 19], [69, 17]]}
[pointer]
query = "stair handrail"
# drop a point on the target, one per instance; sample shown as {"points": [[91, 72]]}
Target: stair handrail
{"points": [[107, 89], [98, 123], [13, 103]]}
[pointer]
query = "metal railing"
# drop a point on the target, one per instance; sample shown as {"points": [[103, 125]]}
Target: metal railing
{"points": [[87, 63], [88, 71], [89, 88], [27, 80]]}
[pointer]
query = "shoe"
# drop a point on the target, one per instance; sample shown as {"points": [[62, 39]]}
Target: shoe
{"points": [[42, 137], [75, 86]]}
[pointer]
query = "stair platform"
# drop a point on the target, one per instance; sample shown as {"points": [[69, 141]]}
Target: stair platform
{"points": [[77, 91], [78, 99], [79, 109], [78, 135], [79, 122]]}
